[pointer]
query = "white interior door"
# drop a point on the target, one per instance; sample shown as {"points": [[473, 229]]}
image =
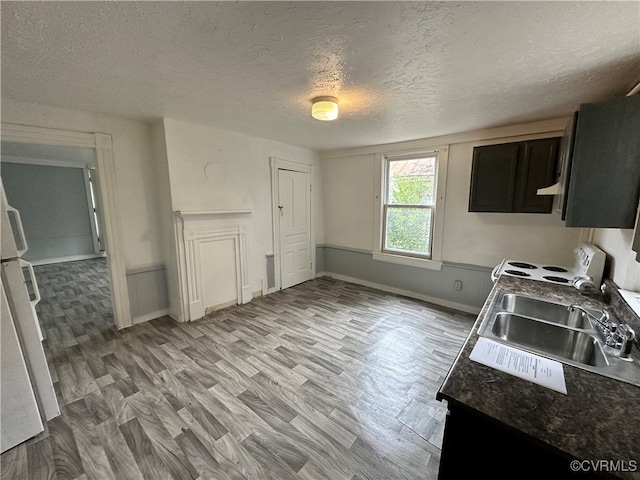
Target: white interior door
{"points": [[295, 227]]}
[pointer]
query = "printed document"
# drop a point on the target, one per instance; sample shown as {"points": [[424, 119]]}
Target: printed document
{"points": [[536, 369]]}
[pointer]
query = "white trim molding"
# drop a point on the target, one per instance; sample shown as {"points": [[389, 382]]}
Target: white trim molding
{"points": [[70, 258], [51, 162], [106, 188], [193, 231], [407, 260], [46, 136], [150, 316]]}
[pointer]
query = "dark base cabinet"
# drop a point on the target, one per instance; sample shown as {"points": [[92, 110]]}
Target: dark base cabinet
{"points": [[476, 447]]}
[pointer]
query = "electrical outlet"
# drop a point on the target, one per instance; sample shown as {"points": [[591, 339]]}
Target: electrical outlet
{"points": [[457, 285]]}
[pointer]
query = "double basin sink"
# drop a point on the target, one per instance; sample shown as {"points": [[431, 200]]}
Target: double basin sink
{"points": [[554, 331]]}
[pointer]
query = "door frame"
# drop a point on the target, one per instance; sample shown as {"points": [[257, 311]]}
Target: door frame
{"points": [[106, 186], [280, 164]]}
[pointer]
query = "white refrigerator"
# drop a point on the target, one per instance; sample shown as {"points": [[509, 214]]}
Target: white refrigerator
{"points": [[27, 396]]}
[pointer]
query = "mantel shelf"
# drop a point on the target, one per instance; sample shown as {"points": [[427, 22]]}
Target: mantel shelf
{"points": [[212, 212]]}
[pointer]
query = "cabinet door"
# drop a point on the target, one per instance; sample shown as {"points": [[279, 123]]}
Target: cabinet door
{"points": [[605, 170], [536, 169], [470, 438], [493, 178]]}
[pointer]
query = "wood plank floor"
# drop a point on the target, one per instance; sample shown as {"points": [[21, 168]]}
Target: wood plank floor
{"points": [[323, 380]]}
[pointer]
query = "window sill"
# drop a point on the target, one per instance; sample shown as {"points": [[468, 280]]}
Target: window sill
{"points": [[409, 261]]}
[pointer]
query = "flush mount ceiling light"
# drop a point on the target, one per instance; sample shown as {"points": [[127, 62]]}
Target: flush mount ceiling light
{"points": [[324, 108]]}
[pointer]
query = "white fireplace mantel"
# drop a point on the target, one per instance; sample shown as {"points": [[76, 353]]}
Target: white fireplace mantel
{"points": [[196, 230]]}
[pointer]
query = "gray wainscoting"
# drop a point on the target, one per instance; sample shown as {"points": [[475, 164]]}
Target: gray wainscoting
{"points": [[430, 285], [148, 293], [320, 258], [53, 206], [271, 271]]}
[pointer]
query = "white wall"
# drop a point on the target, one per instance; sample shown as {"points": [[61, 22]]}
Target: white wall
{"points": [[348, 201], [482, 239], [486, 238], [134, 169], [213, 169], [165, 218], [617, 243]]}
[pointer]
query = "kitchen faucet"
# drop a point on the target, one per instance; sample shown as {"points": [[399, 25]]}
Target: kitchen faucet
{"points": [[620, 336], [604, 321]]}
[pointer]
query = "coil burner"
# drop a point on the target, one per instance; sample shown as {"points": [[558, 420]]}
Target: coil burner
{"points": [[517, 273], [588, 267], [551, 268], [528, 266], [555, 279]]}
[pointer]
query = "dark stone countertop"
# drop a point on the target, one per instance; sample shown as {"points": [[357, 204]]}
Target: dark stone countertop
{"points": [[598, 419]]}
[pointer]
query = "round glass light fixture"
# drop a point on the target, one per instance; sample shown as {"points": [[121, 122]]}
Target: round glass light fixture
{"points": [[324, 108]]}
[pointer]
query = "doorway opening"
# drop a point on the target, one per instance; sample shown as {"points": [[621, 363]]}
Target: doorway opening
{"points": [[54, 189], [106, 236]]}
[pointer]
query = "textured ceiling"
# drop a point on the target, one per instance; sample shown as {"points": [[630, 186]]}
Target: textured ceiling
{"points": [[402, 70]]}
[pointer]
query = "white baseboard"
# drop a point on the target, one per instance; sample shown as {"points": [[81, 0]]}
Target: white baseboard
{"points": [[220, 306], [150, 316], [71, 258], [385, 288], [175, 316]]}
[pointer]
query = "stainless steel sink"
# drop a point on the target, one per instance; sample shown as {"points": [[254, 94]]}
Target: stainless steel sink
{"points": [[544, 310], [551, 330], [552, 339]]}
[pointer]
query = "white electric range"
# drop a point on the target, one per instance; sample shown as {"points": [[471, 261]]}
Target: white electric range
{"points": [[584, 274]]}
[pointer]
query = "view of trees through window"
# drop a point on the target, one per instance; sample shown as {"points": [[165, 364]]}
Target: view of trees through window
{"points": [[409, 205]]}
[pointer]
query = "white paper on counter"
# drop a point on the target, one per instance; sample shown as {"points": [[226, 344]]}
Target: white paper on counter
{"points": [[536, 369], [632, 299]]}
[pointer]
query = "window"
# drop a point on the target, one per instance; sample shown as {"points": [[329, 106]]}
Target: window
{"points": [[410, 208], [409, 205]]}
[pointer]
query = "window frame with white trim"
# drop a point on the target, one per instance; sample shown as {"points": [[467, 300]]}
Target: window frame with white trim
{"points": [[431, 257]]}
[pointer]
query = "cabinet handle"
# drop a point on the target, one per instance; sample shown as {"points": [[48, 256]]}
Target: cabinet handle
{"points": [[34, 282], [18, 223]]}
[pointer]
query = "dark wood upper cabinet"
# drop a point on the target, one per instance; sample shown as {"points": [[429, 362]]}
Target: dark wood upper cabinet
{"points": [[506, 177], [493, 178], [604, 185], [537, 170]]}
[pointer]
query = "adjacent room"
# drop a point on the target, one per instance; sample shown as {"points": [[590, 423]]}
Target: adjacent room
{"points": [[320, 240]]}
